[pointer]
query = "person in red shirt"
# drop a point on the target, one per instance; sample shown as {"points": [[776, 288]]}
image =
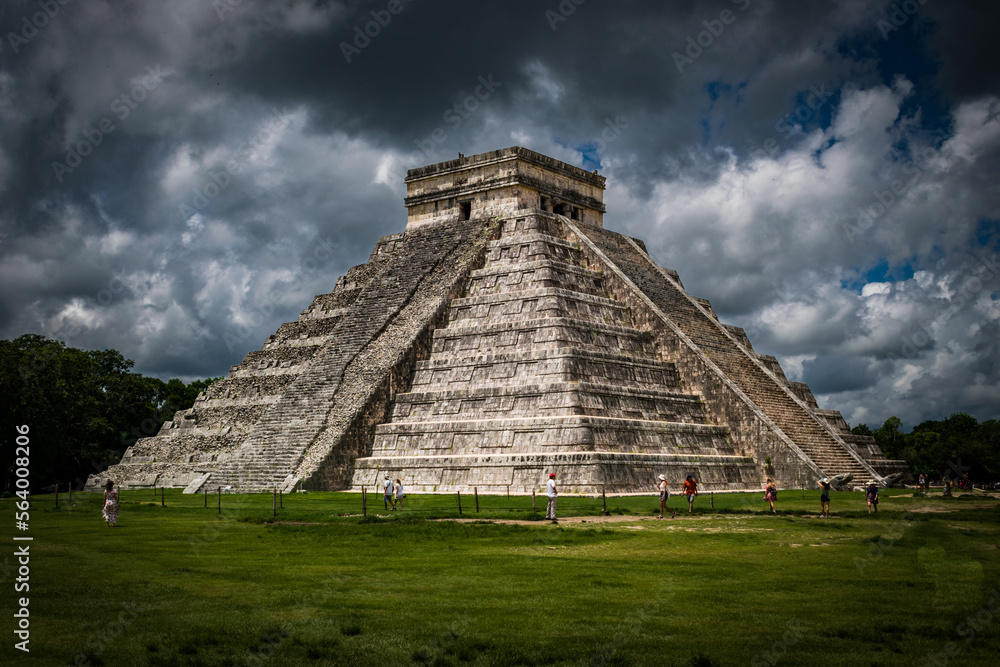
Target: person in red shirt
{"points": [[690, 490]]}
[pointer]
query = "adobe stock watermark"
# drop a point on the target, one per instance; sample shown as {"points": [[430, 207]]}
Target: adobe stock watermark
{"points": [[613, 129], [122, 106], [116, 286], [882, 544], [610, 652], [898, 16], [220, 178], [98, 642], [31, 27], [706, 38], [322, 250], [981, 271], [976, 622], [454, 116], [815, 100], [792, 636], [884, 200], [363, 36], [562, 12]]}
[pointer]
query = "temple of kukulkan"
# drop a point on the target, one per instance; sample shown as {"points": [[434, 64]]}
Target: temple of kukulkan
{"points": [[502, 335]]}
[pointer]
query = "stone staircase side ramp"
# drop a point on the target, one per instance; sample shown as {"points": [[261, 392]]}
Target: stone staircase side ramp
{"points": [[434, 266], [278, 444]]}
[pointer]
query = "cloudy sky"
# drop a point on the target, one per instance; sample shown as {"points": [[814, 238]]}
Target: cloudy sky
{"points": [[178, 178]]}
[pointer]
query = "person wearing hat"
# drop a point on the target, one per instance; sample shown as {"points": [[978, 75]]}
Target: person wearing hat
{"points": [[872, 496], [551, 492], [690, 490], [664, 494], [387, 495], [824, 497]]}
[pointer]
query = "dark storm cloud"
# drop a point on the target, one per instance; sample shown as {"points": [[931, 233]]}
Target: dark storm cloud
{"points": [[741, 161], [835, 374]]}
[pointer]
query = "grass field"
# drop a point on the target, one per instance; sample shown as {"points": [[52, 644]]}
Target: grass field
{"points": [[187, 585]]}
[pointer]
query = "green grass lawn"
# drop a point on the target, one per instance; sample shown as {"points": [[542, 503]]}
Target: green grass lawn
{"points": [[733, 585]]}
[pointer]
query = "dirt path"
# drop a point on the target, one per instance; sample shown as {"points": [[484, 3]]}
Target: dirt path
{"points": [[615, 518]]}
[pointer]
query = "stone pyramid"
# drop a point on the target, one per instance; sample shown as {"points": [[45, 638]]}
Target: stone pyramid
{"points": [[505, 334]]}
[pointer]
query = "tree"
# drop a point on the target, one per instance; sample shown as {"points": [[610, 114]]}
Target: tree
{"points": [[889, 437], [82, 408]]}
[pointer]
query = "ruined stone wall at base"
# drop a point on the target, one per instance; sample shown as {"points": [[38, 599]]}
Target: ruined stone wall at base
{"points": [[576, 472]]}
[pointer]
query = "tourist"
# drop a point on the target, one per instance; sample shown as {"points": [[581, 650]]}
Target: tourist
{"points": [[399, 495], [872, 496], [770, 493], [923, 482], [824, 497], [690, 490], [111, 504], [551, 492], [664, 495], [387, 493]]}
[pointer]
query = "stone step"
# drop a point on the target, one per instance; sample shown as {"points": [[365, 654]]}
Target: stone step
{"points": [[545, 400], [534, 303], [530, 247], [544, 332], [551, 434], [566, 364], [500, 278]]}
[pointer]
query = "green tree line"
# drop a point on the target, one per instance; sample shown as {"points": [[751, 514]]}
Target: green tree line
{"points": [[83, 408], [947, 448]]}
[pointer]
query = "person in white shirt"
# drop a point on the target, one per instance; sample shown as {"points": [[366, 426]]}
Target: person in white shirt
{"points": [[399, 494], [664, 495], [387, 491], [551, 492]]}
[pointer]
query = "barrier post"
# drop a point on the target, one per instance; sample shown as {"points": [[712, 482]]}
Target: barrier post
{"points": [[220, 500], [274, 502], [364, 502], [459, 501], [57, 495], [161, 496]]}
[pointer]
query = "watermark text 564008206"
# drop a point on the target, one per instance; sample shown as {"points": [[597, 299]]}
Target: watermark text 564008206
{"points": [[22, 583]]}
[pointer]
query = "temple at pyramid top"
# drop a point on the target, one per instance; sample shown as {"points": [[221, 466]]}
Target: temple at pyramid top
{"points": [[499, 183]]}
